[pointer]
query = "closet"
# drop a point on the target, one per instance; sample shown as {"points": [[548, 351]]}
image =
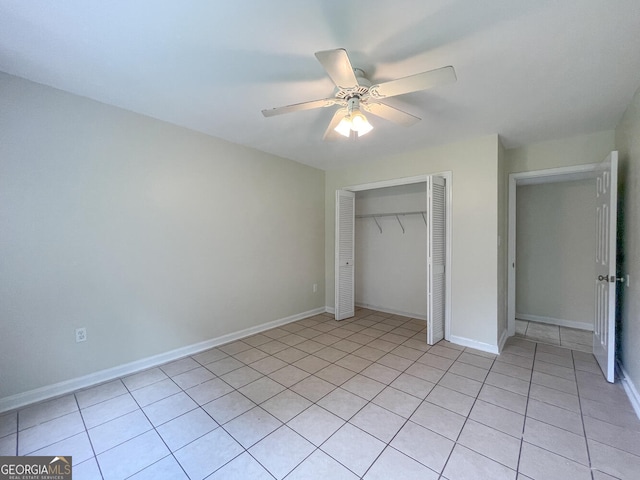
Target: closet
{"points": [[391, 251], [555, 244]]}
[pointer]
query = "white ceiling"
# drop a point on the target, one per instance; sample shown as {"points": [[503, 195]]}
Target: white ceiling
{"points": [[529, 70]]}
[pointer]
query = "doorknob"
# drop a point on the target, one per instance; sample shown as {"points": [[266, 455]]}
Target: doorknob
{"points": [[606, 278]]}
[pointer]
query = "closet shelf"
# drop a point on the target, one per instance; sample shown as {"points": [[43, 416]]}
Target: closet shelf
{"points": [[370, 215]]}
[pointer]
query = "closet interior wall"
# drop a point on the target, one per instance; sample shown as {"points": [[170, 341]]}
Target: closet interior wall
{"points": [[555, 245], [390, 250]]}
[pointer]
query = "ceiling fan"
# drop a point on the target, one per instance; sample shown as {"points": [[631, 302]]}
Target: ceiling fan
{"points": [[354, 93]]}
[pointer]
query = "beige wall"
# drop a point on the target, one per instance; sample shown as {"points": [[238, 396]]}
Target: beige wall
{"points": [[151, 236], [474, 167], [628, 144], [555, 245], [578, 150]]}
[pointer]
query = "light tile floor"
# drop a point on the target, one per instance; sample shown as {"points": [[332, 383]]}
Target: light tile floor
{"points": [[362, 398], [572, 338]]}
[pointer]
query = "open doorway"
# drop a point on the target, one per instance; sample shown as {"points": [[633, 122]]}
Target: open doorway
{"points": [[555, 244], [390, 253], [541, 188], [604, 258]]}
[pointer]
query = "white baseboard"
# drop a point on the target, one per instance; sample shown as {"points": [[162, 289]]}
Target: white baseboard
{"points": [[630, 388], [555, 321], [330, 310], [467, 342], [393, 311], [55, 390], [503, 340]]}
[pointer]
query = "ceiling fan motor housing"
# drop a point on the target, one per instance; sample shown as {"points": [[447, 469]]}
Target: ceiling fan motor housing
{"points": [[359, 90], [353, 105]]}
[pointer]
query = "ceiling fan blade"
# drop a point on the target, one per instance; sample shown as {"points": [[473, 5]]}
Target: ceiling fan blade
{"points": [[330, 133], [338, 66], [296, 107], [414, 83], [390, 113]]}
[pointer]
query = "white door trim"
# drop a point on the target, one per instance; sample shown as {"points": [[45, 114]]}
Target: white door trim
{"points": [[388, 183], [419, 179], [550, 175]]}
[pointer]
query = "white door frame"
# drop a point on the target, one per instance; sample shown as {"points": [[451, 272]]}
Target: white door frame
{"points": [[423, 179], [550, 175]]}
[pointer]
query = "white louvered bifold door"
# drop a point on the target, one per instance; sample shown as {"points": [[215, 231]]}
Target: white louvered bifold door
{"points": [[345, 273], [604, 328], [436, 258]]}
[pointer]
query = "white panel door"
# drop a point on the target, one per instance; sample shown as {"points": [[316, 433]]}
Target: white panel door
{"points": [[604, 331], [436, 258], [345, 235]]}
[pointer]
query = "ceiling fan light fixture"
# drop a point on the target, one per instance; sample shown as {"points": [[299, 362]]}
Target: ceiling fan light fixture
{"points": [[354, 120], [344, 127], [360, 124]]}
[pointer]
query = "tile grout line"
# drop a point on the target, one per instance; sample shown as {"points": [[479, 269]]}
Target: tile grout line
{"points": [[153, 427], [550, 374], [17, 432], [86, 431], [456, 441], [44, 421], [526, 408], [388, 444], [584, 429], [543, 341], [543, 448]]}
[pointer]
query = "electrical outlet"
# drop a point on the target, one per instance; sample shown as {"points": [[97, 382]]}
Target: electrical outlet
{"points": [[81, 335], [315, 288]]}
